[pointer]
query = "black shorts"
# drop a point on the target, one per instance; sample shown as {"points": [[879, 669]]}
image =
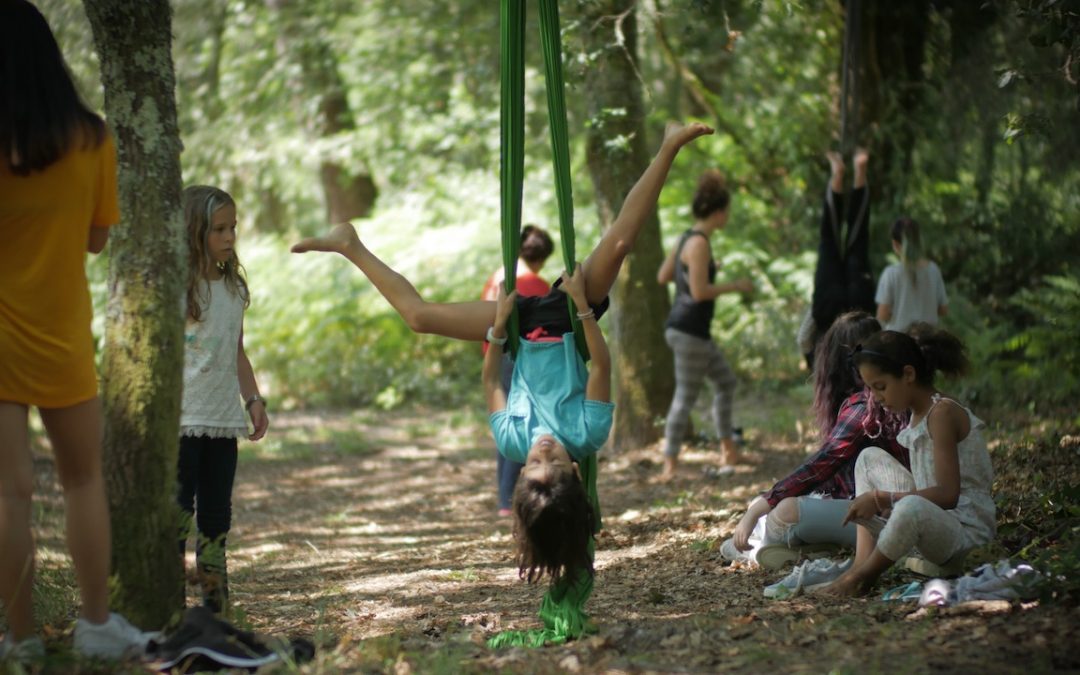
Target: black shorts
{"points": [[551, 312]]}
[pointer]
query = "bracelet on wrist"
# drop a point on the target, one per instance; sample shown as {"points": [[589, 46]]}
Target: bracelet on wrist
{"points": [[252, 400], [586, 315], [494, 340]]}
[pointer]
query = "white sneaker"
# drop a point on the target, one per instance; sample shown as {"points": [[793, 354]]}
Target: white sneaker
{"points": [[729, 552], [114, 639], [808, 576], [24, 651]]}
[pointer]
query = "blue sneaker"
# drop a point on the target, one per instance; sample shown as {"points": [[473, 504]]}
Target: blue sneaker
{"points": [[810, 575]]}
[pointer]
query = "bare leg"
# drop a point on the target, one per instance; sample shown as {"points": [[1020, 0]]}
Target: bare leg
{"points": [[462, 320], [16, 541], [861, 158], [836, 165], [76, 434], [602, 266]]}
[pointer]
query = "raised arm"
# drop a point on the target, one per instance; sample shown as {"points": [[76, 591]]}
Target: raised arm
{"points": [[598, 387], [491, 375]]}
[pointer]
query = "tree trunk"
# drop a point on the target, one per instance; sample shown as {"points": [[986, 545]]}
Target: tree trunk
{"points": [[144, 351], [617, 156], [350, 191]]}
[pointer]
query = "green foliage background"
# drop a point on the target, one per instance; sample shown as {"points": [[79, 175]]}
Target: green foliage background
{"points": [[991, 171]]}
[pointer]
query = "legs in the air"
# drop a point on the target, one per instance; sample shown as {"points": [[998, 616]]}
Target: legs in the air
{"points": [[470, 320]]}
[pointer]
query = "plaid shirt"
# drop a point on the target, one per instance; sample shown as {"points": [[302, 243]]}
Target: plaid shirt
{"points": [[831, 470]]}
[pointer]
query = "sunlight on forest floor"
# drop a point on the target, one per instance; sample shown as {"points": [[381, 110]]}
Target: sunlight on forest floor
{"points": [[376, 533]]}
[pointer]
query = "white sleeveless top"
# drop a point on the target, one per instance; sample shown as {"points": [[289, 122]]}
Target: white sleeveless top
{"points": [[975, 507], [211, 403]]}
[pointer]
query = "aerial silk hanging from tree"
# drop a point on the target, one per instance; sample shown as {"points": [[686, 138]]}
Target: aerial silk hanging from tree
{"points": [[562, 610]]}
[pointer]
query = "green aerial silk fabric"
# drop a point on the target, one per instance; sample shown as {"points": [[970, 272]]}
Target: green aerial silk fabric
{"points": [[563, 608]]}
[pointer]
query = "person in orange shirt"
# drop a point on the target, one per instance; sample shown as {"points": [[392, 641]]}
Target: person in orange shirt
{"points": [[536, 248], [58, 198]]}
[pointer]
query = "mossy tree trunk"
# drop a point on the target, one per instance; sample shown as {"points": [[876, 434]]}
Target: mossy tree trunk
{"points": [[143, 355], [617, 156]]}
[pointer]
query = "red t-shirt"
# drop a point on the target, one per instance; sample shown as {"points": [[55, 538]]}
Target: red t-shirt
{"points": [[529, 284]]}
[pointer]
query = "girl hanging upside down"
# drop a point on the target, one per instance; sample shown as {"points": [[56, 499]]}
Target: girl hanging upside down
{"points": [[558, 412]]}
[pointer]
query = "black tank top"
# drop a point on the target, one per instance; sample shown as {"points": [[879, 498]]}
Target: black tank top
{"points": [[688, 315]]}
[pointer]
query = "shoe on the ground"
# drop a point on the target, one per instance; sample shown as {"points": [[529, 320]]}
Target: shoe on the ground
{"points": [[114, 639], [23, 651], [729, 552], [809, 576], [918, 565], [778, 556]]}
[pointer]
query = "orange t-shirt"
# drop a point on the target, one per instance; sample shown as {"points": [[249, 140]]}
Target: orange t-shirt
{"points": [[46, 347]]}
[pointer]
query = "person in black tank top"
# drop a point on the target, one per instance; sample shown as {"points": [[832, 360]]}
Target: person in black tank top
{"points": [[697, 358]]}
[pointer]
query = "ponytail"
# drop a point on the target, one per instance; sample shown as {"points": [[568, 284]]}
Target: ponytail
{"points": [[905, 232], [943, 351], [925, 348]]}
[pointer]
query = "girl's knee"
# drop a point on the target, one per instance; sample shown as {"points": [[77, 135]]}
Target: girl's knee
{"points": [[871, 456], [787, 511]]}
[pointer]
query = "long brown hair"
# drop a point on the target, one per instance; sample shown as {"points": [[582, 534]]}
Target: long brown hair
{"points": [[553, 524], [42, 116], [200, 202]]}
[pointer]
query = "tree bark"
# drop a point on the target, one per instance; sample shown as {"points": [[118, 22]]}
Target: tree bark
{"points": [[143, 356], [617, 156]]}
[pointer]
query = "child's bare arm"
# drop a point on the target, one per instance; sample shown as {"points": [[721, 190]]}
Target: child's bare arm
{"points": [[491, 375]]}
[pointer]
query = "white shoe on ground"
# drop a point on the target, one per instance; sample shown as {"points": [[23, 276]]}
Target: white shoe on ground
{"points": [[809, 576], [114, 639]]}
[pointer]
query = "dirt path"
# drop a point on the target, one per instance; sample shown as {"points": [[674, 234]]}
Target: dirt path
{"points": [[378, 534]]}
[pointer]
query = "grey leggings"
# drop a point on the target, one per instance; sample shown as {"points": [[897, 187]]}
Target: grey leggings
{"points": [[697, 359], [819, 523]]}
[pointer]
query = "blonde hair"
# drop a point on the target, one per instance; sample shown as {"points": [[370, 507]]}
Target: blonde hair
{"points": [[200, 202]]}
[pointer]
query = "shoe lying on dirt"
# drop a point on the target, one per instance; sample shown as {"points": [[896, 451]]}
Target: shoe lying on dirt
{"points": [[779, 556], [114, 639], [810, 575]]}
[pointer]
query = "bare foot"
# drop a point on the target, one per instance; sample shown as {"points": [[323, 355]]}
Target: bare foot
{"points": [[671, 466], [860, 160], [340, 239], [729, 453], [677, 135], [847, 586], [836, 166]]}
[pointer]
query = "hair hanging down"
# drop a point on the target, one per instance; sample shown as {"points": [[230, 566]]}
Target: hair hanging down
{"points": [[905, 232], [553, 523], [199, 203], [536, 244], [41, 114], [835, 379], [927, 349], [712, 195]]}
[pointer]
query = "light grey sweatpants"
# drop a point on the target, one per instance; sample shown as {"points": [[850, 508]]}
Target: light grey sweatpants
{"points": [[697, 359], [915, 522]]}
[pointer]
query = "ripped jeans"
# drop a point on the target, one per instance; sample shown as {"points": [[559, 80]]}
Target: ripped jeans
{"points": [[818, 523]]}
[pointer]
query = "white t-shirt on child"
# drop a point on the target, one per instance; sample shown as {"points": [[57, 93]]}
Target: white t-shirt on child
{"points": [[911, 302]]}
